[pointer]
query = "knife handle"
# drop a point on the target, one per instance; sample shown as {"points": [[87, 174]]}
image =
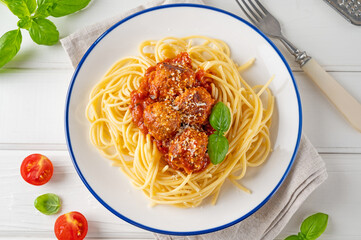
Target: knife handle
{"points": [[344, 102]]}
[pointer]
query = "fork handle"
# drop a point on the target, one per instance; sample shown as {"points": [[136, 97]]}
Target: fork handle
{"points": [[344, 102]]}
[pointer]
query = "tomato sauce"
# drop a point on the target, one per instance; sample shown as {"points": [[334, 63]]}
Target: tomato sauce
{"points": [[204, 81], [140, 99], [165, 82]]}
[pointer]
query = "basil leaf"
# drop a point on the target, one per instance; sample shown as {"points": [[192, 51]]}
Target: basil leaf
{"points": [[313, 226], [24, 22], [43, 32], [31, 4], [48, 203], [18, 7], [9, 46], [66, 7], [220, 118], [44, 7], [217, 148], [292, 237], [301, 236]]}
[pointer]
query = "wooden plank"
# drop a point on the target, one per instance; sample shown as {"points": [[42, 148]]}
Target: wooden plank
{"points": [[323, 124], [32, 105], [19, 217], [336, 197], [335, 51], [34, 100], [313, 27]]}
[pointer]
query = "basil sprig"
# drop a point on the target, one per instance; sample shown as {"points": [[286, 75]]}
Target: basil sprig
{"points": [[48, 203], [311, 228], [220, 120], [32, 16]]}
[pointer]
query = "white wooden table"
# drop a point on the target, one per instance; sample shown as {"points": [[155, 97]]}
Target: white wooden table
{"points": [[32, 96]]}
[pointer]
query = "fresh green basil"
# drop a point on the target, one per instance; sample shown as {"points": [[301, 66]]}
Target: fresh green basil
{"points": [[292, 237], [44, 7], [48, 203], [217, 148], [301, 236], [43, 32], [9, 46], [24, 23], [18, 7], [32, 15], [313, 226], [66, 7], [220, 118], [31, 4]]}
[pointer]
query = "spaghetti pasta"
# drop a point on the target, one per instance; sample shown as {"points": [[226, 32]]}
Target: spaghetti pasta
{"points": [[115, 135]]}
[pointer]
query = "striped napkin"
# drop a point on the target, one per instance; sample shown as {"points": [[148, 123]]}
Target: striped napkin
{"points": [[307, 173]]}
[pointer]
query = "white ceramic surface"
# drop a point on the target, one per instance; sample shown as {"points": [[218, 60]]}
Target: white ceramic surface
{"points": [[114, 190]]}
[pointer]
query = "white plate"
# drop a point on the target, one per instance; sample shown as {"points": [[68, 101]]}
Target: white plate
{"points": [[113, 189]]}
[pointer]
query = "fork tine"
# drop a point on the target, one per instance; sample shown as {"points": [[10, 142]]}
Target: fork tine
{"points": [[245, 12], [261, 7], [256, 8], [250, 10]]}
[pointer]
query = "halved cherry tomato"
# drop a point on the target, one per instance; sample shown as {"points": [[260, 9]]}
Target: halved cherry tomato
{"points": [[36, 169], [71, 226]]}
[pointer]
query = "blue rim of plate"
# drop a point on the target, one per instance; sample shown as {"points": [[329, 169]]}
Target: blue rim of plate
{"points": [[70, 149]]}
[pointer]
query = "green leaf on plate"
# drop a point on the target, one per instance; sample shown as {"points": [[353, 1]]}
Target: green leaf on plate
{"points": [[217, 148], [220, 118]]}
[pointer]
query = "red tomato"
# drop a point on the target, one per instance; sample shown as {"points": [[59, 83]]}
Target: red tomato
{"points": [[71, 226], [36, 169]]}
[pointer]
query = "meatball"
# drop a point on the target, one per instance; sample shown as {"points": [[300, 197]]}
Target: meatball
{"points": [[161, 120], [187, 151], [170, 80], [195, 104]]}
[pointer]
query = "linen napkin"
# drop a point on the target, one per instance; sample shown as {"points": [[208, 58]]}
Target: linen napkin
{"points": [[307, 173]]}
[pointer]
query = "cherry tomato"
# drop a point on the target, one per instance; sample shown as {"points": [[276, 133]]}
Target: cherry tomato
{"points": [[71, 226], [36, 169]]}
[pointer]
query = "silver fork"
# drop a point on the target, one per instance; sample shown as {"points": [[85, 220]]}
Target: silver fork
{"points": [[268, 24]]}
